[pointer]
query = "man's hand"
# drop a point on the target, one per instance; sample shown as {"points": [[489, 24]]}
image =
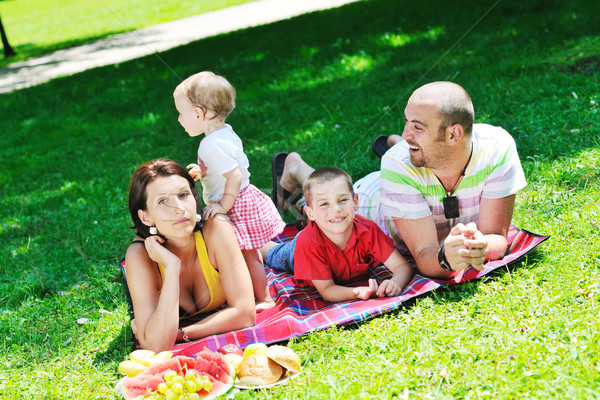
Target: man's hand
{"points": [[466, 246]]}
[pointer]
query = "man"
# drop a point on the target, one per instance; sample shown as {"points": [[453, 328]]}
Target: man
{"points": [[446, 190]]}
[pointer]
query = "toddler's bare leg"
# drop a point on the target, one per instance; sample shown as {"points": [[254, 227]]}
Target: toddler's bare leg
{"points": [[259, 280]]}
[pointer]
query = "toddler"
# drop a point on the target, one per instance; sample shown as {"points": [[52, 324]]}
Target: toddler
{"points": [[204, 101]]}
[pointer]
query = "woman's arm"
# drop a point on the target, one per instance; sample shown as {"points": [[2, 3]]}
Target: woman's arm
{"points": [[156, 315], [225, 255]]}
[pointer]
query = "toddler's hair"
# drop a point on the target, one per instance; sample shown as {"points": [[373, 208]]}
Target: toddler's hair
{"points": [[208, 91], [324, 175]]}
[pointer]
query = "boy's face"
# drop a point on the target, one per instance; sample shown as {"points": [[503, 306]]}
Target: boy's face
{"points": [[332, 206], [190, 117]]}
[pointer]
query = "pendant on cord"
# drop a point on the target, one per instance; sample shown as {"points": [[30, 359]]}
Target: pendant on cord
{"points": [[450, 204]]}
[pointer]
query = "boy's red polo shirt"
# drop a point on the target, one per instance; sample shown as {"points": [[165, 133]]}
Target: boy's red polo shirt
{"points": [[317, 258]]}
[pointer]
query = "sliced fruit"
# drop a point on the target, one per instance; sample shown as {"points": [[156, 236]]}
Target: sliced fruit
{"points": [[234, 359], [140, 385], [231, 348], [162, 356], [255, 348], [142, 356], [216, 367], [162, 367], [131, 368]]}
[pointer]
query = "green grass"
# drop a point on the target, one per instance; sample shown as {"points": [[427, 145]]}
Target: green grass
{"points": [[35, 27], [322, 84]]}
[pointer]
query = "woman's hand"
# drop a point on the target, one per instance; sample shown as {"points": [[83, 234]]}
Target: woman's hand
{"points": [[159, 253]]}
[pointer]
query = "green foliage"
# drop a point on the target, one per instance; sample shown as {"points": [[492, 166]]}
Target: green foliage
{"points": [[323, 84]]}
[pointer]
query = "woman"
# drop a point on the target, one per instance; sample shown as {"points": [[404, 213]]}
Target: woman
{"points": [[177, 266]]}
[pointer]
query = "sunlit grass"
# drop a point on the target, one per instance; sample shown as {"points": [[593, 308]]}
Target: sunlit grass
{"points": [[324, 85], [35, 27]]}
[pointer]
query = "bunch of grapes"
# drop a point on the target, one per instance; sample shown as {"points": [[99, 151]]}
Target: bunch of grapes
{"points": [[177, 387]]}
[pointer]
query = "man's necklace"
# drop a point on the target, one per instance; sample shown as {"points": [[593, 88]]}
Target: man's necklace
{"points": [[450, 203]]}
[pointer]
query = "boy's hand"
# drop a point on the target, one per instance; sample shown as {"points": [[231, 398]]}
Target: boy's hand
{"points": [[194, 170], [389, 288], [213, 209], [364, 292]]}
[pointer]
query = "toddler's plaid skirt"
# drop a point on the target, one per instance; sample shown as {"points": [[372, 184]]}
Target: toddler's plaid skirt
{"points": [[255, 218]]}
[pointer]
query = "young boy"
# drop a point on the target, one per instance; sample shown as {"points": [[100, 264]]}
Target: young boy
{"points": [[338, 247]]}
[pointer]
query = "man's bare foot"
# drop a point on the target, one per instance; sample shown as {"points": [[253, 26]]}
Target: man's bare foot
{"points": [[393, 139], [264, 305], [295, 172]]}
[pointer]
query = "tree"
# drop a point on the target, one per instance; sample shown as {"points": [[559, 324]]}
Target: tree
{"points": [[8, 51]]}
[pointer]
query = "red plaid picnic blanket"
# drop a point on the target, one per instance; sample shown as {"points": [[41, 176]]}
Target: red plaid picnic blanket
{"points": [[300, 309]]}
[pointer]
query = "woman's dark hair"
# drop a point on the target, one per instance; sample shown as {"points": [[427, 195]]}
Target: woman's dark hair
{"points": [[146, 174]]}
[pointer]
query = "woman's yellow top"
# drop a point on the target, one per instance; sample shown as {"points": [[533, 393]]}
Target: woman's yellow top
{"points": [[211, 275]]}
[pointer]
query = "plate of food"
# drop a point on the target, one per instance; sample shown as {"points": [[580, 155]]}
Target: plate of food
{"points": [[266, 367]]}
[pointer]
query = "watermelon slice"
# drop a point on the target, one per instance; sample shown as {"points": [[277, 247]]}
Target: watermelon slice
{"points": [[186, 363], [162, 367], [220, 372], [139, 385], [215, 366]]}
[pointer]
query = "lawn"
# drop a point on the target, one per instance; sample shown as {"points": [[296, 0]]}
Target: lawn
{"points": [[35, 27], [324, 84]]}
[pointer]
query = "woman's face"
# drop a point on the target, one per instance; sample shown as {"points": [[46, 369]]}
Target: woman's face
{"points": [[170, 206]]}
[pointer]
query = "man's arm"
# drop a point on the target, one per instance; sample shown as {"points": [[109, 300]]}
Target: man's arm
{"points": [[420, 237], [495, 216]]}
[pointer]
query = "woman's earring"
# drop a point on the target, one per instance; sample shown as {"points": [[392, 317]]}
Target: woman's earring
{"points": [[198, 217], [153, 230]]}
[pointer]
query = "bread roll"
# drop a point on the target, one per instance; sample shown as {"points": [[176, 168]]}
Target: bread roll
{"points": [[258, 367], [285, 357]]}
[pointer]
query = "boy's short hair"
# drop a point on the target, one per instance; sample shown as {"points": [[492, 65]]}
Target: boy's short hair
{"points": [[210, 92], [323, 175]]}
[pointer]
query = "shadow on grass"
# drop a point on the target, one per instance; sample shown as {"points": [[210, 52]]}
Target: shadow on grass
{"points": [[123, 342]]}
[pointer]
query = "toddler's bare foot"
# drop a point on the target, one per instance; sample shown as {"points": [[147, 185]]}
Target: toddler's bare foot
{"points": [[264, 305]]}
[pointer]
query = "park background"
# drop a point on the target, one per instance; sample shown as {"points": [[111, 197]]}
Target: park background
{"points": [[324, 84]]}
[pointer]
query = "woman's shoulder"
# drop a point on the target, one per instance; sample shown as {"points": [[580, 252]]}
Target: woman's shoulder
{"points": [[136, 253], [218, 229]]}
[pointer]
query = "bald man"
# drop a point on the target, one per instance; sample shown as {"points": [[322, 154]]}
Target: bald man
{"points": [[448, 186], [446, 189]]}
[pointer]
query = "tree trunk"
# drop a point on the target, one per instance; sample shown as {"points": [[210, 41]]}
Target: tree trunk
{"points": [[8, 51]]}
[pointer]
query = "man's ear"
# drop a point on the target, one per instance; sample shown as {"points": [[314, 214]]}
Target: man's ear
{"points": [[456, 132], [309, 212], [144, 218]]}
